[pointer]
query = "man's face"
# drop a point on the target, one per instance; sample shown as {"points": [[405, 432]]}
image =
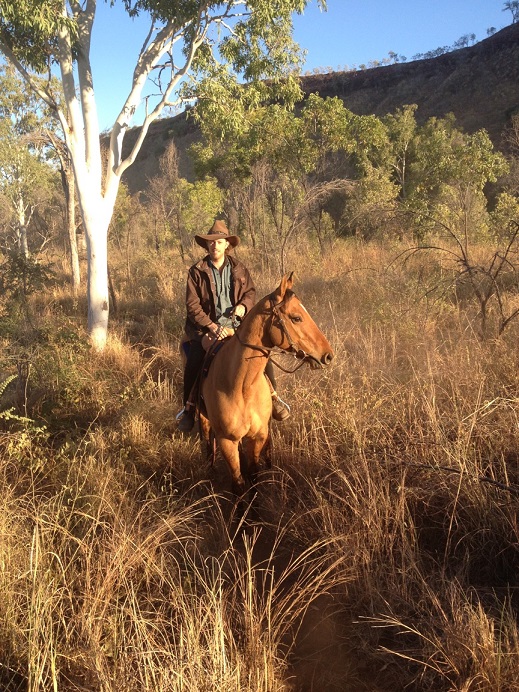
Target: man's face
{"points": [[217, 248]]}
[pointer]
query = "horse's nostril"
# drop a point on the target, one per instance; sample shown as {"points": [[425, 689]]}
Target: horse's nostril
{"points": [[327, 358]]}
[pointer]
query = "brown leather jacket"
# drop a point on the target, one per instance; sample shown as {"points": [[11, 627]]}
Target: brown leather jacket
{"points": [[201, 290]]}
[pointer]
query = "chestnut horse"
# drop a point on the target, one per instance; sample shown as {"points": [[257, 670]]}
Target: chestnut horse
{"points": [[237, 403]]}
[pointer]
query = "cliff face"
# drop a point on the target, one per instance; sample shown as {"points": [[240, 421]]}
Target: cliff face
{"points": [[479, 84]]}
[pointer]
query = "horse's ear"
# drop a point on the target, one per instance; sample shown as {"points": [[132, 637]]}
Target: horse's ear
{"points": [[285, 285]]}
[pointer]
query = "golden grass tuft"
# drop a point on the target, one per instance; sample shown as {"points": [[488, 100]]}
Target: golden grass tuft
{"points": [[382, 549]]}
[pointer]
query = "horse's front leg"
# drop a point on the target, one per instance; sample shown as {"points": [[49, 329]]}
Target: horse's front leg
{"points": [[253, 447], [207, 440], [231, 454], [267, 450]]}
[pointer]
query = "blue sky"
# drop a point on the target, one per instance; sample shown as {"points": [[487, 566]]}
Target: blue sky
{"points": [[350, 33]]}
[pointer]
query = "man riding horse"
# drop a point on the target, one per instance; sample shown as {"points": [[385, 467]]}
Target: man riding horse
{"points": [[219, 291]]}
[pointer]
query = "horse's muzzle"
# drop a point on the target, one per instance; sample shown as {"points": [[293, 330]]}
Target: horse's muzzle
{"points": [[316, 363], [327, 358]]}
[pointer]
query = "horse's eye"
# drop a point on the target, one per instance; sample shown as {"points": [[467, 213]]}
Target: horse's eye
{"points": [[296, 318]]}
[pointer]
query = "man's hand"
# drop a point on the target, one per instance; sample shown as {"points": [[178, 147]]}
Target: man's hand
{"points": [[239, 311], [221, 332], [224, 332]]}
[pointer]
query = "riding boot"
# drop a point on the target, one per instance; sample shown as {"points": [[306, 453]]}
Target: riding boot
{"points": [[195, 358], [186, 420], [280, 409]]}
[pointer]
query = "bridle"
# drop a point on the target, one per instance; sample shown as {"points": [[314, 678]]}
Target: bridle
{"points": [[268, 351]]}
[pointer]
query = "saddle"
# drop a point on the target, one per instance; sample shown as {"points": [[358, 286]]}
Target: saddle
{"points": [[211, 347], [210, 353]]}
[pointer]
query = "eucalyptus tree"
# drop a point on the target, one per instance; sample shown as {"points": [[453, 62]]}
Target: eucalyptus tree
{"points": [[513, 7], [37, 139], [302, 169], [25, 177], [401, 128], [448, 176], [265, 165], [179, 207], [226, 41]]}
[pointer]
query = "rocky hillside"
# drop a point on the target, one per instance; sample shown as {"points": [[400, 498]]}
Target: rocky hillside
{"points": [[479, 84]]}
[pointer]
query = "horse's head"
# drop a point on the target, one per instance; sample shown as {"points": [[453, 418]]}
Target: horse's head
{"points": [[293, 330]]}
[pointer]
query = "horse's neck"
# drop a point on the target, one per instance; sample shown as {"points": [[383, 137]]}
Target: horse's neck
{"points": [[249, 357]]}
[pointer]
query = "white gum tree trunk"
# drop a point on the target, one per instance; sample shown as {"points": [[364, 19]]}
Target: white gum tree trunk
{"points": [[70, 194], [97, 195], [23, 245], [96, 231], [96, 200]]}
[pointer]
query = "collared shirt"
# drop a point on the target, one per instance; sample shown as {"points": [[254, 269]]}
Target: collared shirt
{"points": [[223, 301]]}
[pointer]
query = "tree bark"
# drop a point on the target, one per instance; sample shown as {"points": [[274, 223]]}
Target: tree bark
{"points": [[67, 179], [23, 245], [96, 230]]}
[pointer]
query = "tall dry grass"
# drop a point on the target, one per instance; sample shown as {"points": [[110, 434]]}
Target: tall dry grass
{"points": [[384, 554]]}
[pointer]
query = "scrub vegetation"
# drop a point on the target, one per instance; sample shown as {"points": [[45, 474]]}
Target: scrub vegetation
{"points": [[384, 551], [381, 552]]}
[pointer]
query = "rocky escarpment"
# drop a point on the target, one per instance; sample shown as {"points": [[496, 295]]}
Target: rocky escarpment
{"points": [[479, 84]]}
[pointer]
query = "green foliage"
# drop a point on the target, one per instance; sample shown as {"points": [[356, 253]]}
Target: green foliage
{"points": [[463, 211], [258, 50], [17, 103], [181, 208], [433, 172], [441, 172], [27, 181], [505, 216], [25, 434], [29, 28], [10, 416], [371, 203], [401, 129], [326, 123], [370, 138], [23, 174], [199, 203], [6, 383], [22, 277], [443, 154], [261, 53]]}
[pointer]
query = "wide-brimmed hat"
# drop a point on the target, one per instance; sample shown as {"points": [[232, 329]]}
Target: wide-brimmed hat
{"points": [[218, 230]]}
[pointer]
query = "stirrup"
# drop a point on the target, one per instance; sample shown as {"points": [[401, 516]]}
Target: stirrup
{"points": [[183, 410]]}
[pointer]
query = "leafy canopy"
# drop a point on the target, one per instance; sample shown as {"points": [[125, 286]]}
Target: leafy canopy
{"points": [[210, 47], [29, 28]]}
